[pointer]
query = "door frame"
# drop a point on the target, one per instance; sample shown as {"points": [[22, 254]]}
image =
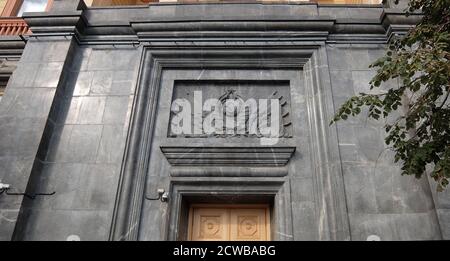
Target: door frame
{"points": [[274, 192]]}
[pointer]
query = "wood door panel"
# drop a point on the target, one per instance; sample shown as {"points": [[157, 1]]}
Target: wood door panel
{"points": [[248, 225], [210, 224], [229, 223]]}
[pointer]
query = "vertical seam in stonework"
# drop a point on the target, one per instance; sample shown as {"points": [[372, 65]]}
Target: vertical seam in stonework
{"points": [[339, 150]]}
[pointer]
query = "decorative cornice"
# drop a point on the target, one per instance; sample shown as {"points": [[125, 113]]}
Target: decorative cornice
{"points": [[51, 24], [230, 171], [12, 46], [228, 156], [396, 22], [316, 28], [94, 26]]}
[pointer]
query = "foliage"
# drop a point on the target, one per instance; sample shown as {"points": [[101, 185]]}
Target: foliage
{"points": [[419, 61]]}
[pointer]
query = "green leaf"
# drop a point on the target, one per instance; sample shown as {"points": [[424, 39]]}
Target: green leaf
{"points": [[420, 60]]}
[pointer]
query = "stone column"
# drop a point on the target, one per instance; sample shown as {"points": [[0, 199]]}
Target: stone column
{"points": [[26, 108]]}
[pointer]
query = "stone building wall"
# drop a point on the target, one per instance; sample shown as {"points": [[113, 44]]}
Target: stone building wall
{"points": [[379, 200], [85, 114], [88, 126]]}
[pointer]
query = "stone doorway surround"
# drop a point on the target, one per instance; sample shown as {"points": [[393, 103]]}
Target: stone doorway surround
{"points": [[270, 191], [310, 60]]}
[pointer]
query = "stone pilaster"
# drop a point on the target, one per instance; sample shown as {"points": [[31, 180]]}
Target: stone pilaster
{"points": [[25, 115]]}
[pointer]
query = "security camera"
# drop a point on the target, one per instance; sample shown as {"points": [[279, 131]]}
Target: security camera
{"points": [[161, 192], [165, 197], [4, 186]]}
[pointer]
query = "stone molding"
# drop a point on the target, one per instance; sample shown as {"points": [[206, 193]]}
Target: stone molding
{"points": [[270, 190], [234, 155], [146, 24], [311, 59]]}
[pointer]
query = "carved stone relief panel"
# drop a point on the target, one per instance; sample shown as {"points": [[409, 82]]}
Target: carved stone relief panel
{"points": [[230, 108]]}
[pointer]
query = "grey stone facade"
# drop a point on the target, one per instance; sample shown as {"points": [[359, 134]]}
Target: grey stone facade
{"points": [[86, 114]]}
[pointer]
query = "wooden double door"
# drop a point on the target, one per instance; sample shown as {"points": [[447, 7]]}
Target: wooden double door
{"points": [[229, 222]]}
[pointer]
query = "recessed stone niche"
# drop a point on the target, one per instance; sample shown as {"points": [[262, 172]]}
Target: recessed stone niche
{"points": [[194, 94]]}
